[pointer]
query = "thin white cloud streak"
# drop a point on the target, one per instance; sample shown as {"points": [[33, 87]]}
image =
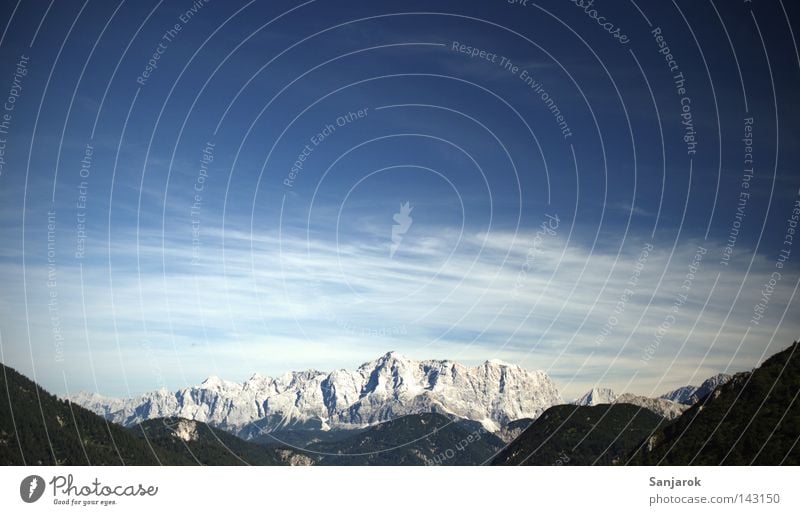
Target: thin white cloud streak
{"points": [[284, 303]]}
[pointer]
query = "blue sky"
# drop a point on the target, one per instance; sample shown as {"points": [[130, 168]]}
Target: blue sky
{"points": [[206, 254]]}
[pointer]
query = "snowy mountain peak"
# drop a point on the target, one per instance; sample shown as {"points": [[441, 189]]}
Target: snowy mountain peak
{"points": [[596, 396], [712, 382], [380, 390], [211, 382], [216, 383], [691, 394], [390, 359]]}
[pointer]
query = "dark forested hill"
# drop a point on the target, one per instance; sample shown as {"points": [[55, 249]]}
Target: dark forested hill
{"points": [[200, 443], [37, 428], [581, 435], [424, 439], [753, 419]]}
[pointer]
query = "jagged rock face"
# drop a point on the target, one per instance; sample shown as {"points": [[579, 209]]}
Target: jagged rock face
{"points": [[689, 395], [493, 393], [510, 432], [186, 430], [664, 407], [294, 459]]}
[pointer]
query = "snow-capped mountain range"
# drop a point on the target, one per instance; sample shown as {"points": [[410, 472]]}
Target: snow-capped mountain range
{"points": [[691, 394], [493, 394], [670, 405], [664, 407]]}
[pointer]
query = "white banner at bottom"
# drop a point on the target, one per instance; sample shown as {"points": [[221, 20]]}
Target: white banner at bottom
{"points": [[351, 490]]}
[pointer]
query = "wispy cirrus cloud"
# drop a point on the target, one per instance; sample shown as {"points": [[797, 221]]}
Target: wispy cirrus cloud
{"points": [[269, 302]]}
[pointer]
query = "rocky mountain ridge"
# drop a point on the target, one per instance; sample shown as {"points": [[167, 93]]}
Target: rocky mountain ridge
{"points": [[493, 393]]}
